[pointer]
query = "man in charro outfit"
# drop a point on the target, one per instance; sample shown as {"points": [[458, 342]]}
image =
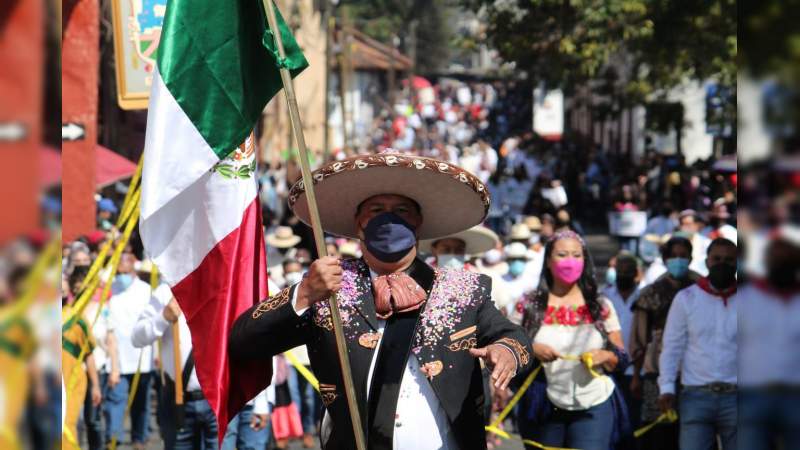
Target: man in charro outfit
{"points": [[414, 334]]}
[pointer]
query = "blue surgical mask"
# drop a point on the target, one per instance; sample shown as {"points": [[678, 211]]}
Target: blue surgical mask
{"points": [[121, 282], [388, 237], [678, 267], [516, 268], [611, 276], [450, 261]]}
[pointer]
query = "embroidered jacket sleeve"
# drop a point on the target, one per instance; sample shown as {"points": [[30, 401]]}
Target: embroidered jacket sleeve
{"points": [[494, 328], [269, 328]]}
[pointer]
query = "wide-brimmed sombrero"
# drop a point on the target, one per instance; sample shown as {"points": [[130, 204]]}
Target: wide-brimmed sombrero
{"points": [[451, 199], [478, 240]]}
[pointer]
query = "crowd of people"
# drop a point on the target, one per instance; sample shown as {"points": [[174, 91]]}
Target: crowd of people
{"points": [[658, 319]]}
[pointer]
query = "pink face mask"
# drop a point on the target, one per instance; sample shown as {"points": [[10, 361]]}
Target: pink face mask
{"points": [[568, 270]]}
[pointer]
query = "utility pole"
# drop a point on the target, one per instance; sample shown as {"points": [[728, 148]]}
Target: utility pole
{"points": [[328, 22]]}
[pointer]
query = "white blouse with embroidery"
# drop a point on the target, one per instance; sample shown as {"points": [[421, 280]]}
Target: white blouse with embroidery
{"points": [[570, 331]]}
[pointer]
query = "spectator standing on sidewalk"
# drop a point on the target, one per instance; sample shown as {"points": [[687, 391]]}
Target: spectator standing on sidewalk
{"points": [[191, 425], [647, 328], [130, 296], [700, 343]]}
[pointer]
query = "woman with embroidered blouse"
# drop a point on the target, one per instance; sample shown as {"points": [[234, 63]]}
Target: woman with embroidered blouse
{"points": [[576, 336]]}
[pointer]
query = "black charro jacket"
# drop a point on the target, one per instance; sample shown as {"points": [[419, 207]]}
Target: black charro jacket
{"points": [[458, 315]]}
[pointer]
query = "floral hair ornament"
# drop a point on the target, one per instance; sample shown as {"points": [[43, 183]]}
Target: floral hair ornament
{"points": [[567, 234]]}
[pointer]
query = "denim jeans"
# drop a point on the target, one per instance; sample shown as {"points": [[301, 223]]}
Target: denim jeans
{"points": [[588, 429], [305, 397], [769, 418], [44, 420], [199, 431], [704, 415], [240, 436], [114, 409], [93, 415]]}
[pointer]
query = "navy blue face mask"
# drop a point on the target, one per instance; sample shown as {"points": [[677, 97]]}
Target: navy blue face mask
{"points": [[388, 237]]}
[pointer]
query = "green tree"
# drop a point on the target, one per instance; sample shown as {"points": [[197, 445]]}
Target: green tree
{"points": [[643, 46]]}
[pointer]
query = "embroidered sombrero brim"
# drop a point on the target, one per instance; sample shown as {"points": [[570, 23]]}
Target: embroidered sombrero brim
{"points": [[478, 240], [451, 199]]}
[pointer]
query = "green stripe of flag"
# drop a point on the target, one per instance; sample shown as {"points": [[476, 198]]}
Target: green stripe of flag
{"points": [[213, 60]]}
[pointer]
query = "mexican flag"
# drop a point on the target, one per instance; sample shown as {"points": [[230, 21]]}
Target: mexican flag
{"points": [[200, 216]]}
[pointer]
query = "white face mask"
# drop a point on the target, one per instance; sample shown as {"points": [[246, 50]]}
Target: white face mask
{"points": [[451, 261], [293, 278], [534, 239]]}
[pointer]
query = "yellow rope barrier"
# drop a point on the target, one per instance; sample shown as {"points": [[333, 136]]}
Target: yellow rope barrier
{"points": [[586, 359], [73, 312], [516, 398], [505, 435], [33, 280], [131, 394], [302, 369], [670, 416]]}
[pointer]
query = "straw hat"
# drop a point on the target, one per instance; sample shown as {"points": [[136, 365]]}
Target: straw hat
{"points": [[533, 223], [520, 232], [450, 198], [283, 237], [516, 250], [349, 248], [478, 240]]}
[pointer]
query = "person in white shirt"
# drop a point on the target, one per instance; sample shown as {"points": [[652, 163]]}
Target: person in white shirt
{"points": [[130, 296], [193, 422], [769, 375], [520, 278], [567, 318], [700, 343]]}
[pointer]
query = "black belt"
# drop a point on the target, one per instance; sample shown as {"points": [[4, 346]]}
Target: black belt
{"points": [[193, 396], [716, 387]]}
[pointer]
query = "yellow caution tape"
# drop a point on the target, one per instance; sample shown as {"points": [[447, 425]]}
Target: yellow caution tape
{"points": [[302, 369], [586, 359], [34, 280], [132, 393], [504, 435], [670, 416], [515, 399]]}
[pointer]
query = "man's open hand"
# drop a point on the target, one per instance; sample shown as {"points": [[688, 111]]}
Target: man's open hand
{"points": [[501, 362]]}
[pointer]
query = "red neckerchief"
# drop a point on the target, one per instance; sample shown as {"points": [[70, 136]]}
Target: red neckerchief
{"points": [[784, 294], [724, 294]]}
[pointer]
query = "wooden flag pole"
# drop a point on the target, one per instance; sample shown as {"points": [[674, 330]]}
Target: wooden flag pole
{"points": [[176, 356], [316, 226]]}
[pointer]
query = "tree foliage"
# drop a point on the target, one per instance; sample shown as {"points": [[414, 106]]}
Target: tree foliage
{"points": [[642, 47]]}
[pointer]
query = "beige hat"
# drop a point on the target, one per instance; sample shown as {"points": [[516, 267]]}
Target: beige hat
{"points": [[520, 232], [283, 237], [533, 223], [517, 250], [350, 248], [450, 198], [478, 240]]}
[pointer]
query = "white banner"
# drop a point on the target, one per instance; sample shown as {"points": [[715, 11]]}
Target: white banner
{"points": [[548, 113], [627, 223]]}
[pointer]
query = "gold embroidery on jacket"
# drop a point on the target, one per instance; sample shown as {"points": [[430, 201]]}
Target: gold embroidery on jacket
{"points": [[274, 302], [516, 347]]}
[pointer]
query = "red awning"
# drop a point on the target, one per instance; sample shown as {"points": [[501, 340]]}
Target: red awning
{"points": [[109, 167]]}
